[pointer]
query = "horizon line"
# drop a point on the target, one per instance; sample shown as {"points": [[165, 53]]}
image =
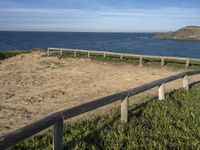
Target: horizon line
{"points": [[81, 31]]}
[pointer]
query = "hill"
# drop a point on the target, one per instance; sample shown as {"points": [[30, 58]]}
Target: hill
{"points": [[186, 33]]}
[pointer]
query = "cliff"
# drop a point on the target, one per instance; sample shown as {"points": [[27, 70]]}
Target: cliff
{"points": [[186, 33]]}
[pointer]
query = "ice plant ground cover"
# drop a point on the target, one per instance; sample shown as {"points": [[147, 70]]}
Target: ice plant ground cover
{"points": [[170, 124]]}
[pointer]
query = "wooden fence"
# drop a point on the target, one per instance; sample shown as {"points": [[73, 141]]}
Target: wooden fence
{"points": [[56, 119], [163, 59]]}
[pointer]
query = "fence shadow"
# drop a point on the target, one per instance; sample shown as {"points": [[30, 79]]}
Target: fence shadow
{"points": [[133, 112], [94, 133]]}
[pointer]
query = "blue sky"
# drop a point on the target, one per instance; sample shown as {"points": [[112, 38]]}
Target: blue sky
{"points": [[98, 15]]}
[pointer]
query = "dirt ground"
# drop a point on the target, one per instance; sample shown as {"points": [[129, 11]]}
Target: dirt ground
{"points": [[33, 86]]}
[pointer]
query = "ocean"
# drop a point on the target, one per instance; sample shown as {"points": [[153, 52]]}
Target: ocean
{"points": [[136, 43]]}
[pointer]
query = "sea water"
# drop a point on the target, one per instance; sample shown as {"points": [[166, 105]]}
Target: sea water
{"points": [[136, 43]]}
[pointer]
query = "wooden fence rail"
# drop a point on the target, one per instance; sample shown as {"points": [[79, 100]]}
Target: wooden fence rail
{"points": [[162, 59], [56, 119]]}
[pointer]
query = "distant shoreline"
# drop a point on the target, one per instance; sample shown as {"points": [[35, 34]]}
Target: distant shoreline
{"points": [[87, 32]]}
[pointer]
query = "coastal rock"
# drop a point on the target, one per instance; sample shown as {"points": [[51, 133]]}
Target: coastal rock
{"points": [[186, 33]]}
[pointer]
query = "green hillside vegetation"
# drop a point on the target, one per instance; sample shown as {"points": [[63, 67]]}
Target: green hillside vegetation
{"points": [[108, 58], [134, 60], [186, 33], [11, 53], [170, 124]]}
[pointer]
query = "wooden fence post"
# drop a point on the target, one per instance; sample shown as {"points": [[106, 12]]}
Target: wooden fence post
{"points": [[187, 63], [124, 110], [185, 83], [121, 56], [58, 135], [88, 54], [48, 53], [74, 53], [61, 52], [104, 55], [140, 64], [161, 92], [162, 61]]}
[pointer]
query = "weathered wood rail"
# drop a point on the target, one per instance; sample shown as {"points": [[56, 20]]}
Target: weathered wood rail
{"points": [[56, 119], [162, 59]]}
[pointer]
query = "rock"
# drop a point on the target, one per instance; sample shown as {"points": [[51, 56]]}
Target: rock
{"points": [[53, 65], [20, 56]]}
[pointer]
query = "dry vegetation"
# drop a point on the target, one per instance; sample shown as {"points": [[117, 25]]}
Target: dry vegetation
{"points": [[33, 85]]}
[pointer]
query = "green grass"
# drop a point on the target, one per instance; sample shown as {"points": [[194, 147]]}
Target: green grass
{"points": [[108, 58], [170, 124], [7, 54], [134, 60]]}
